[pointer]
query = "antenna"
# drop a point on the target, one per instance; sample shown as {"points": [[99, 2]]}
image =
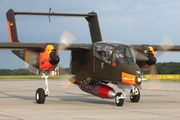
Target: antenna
{"points": [[128, 29], [49, 15]]}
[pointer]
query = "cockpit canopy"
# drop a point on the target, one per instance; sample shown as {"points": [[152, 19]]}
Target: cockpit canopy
{"points": [[114, 54]]}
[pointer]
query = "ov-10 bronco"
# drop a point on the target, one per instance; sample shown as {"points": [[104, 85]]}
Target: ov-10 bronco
{"points": [[93, 65]]}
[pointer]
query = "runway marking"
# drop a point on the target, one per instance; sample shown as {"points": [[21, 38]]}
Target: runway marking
{"points": [[155, 88]]}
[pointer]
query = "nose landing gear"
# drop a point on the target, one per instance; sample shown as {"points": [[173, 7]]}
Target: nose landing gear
{"points": [[134, 95]]}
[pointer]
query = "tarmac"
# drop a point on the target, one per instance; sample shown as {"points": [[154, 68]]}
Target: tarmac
{"points": [[159, 100]]}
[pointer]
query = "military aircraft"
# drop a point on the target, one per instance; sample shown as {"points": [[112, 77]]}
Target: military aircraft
{"points": [[93, 65]]}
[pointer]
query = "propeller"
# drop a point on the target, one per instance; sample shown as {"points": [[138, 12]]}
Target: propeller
{"points": [[33, 57], [31, 62], [165, 44], [31, 68], [140, 55], [66, 39], [81, 77], [72, 81]]}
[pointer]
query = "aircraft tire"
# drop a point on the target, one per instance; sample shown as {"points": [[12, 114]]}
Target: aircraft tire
{"points": [[40, 96], [135, 98], [119, 101]]}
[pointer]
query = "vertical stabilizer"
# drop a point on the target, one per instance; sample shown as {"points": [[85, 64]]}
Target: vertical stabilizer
{"points": [[12, 31], [94, 27]]}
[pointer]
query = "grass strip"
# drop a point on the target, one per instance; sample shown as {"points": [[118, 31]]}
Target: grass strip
{"points": [[33, 77]]}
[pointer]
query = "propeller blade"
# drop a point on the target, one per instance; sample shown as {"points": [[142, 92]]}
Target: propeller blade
{"points": [[165, 44], [66, 39], [158, 85], [153, 70], [79, 78], [140, 56], [72, 81], [31, 68], [31, 58]]}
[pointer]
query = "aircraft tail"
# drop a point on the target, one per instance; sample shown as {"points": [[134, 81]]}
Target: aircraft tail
{"points": [[94, 27], [91, 17], [12, 31]]}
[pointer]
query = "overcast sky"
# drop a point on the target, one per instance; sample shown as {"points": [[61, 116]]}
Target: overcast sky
{"points": [[129, 21]]}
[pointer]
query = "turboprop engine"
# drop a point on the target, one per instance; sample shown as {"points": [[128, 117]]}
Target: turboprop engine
{"points": [[98, 89]]}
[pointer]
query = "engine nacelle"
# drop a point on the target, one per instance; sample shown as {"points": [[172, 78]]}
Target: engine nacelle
{"points": [[99, 90], [41, 60], [145, 58]]}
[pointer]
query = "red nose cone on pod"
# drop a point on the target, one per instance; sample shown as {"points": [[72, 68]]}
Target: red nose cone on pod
{"points": [[105, 91], [99, 90]]}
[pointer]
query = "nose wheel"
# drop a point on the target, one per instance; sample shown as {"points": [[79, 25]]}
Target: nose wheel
{"points": [[134, 95]]}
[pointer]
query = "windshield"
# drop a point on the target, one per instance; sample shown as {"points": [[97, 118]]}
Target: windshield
{"points": [[114, 55], [123, 54]]}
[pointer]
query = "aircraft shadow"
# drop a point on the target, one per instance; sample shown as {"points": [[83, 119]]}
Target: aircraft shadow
{"points": [[72, 98], [16, 96]]}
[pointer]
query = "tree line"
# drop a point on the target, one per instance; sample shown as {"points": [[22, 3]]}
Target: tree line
{"points": [[165, 68], [20, 71], [159, 68], [24, 71]]}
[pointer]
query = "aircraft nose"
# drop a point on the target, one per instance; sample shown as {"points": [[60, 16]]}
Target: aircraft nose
{"points": [[54, 59], [135, 78]]}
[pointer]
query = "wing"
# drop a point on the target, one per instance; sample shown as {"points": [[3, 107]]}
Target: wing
{"points": [[145, 54], [157, 48], [40, 46], [24, 46]]}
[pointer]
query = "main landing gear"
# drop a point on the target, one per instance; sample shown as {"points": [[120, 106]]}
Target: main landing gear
{"points": [[134, 96], [41, 95], [119, 98]]}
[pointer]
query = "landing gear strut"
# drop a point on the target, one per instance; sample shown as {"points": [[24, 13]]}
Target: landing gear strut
{"points": [[40, 93]]}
